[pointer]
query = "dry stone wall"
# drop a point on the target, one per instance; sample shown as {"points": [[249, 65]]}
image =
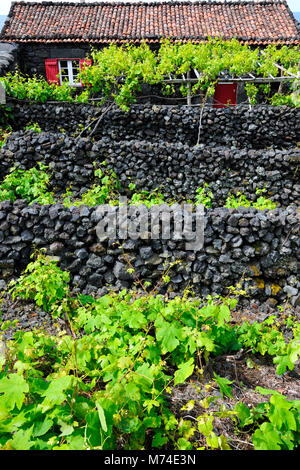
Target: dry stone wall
{"points": [[261, 249], [260, 127], [175, 168], [154, 146]]}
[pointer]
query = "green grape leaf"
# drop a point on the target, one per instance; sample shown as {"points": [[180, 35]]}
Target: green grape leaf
{"points": [[21, 440], [266, 438], [224, 385], [243, 414], [14, 388], [184, 371], [56, 392], [223, 314], [159, 440], [42, 427], [167, 334], [205, 425]]}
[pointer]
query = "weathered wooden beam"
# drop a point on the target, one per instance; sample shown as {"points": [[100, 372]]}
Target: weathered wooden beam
{"points": [[230, 80], [189, 95], [2, 94], [281, 68]]}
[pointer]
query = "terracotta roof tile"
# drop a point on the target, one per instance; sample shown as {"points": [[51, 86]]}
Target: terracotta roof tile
{"points": [[251, 21]]}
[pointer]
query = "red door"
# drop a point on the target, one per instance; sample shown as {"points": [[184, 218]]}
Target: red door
{"points": [[225, 95]]}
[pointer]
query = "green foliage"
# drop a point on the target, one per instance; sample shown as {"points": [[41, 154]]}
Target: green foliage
{"points": [[34, 127], [281, 422], [261, 203], [27, 184], [147, 198], [118, 72], [13, 389], [4, 133], [109, 386], [251, 91], [43, 281], [6, 115], [288, 356], [295, 96], [38, 89], [107, 383], [224, 385], [206, 423], [137, 65], [292, 99], [33, 185], [204, 196], [105, 192], [211, 411], [5, 118], [266, 338]]}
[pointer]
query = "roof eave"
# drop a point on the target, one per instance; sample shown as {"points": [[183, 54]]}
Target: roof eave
{"points": [[291, 41]]}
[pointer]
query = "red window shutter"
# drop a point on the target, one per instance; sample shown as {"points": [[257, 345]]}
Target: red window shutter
{"points": [[84, 63], [225, 93], [52, 71]]}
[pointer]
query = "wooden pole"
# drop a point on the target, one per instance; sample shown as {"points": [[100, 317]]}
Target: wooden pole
{"points": [[189, 95], [2, 94]]}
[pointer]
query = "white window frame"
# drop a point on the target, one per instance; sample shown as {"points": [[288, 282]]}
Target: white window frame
{"points": [[70, 72]]}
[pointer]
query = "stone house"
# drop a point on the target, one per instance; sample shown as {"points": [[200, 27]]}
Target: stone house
{"points": [[53, 38]]}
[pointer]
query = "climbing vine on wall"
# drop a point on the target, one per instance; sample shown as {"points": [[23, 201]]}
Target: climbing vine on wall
{"points": [[118, 72]]}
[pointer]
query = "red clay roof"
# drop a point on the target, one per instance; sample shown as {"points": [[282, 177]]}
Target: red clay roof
{"points": [[256, 22]]}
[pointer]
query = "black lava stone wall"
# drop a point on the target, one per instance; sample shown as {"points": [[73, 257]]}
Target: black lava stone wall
{"points": [[176, 168], [261, 127], [260, 248], [155, 146]]}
